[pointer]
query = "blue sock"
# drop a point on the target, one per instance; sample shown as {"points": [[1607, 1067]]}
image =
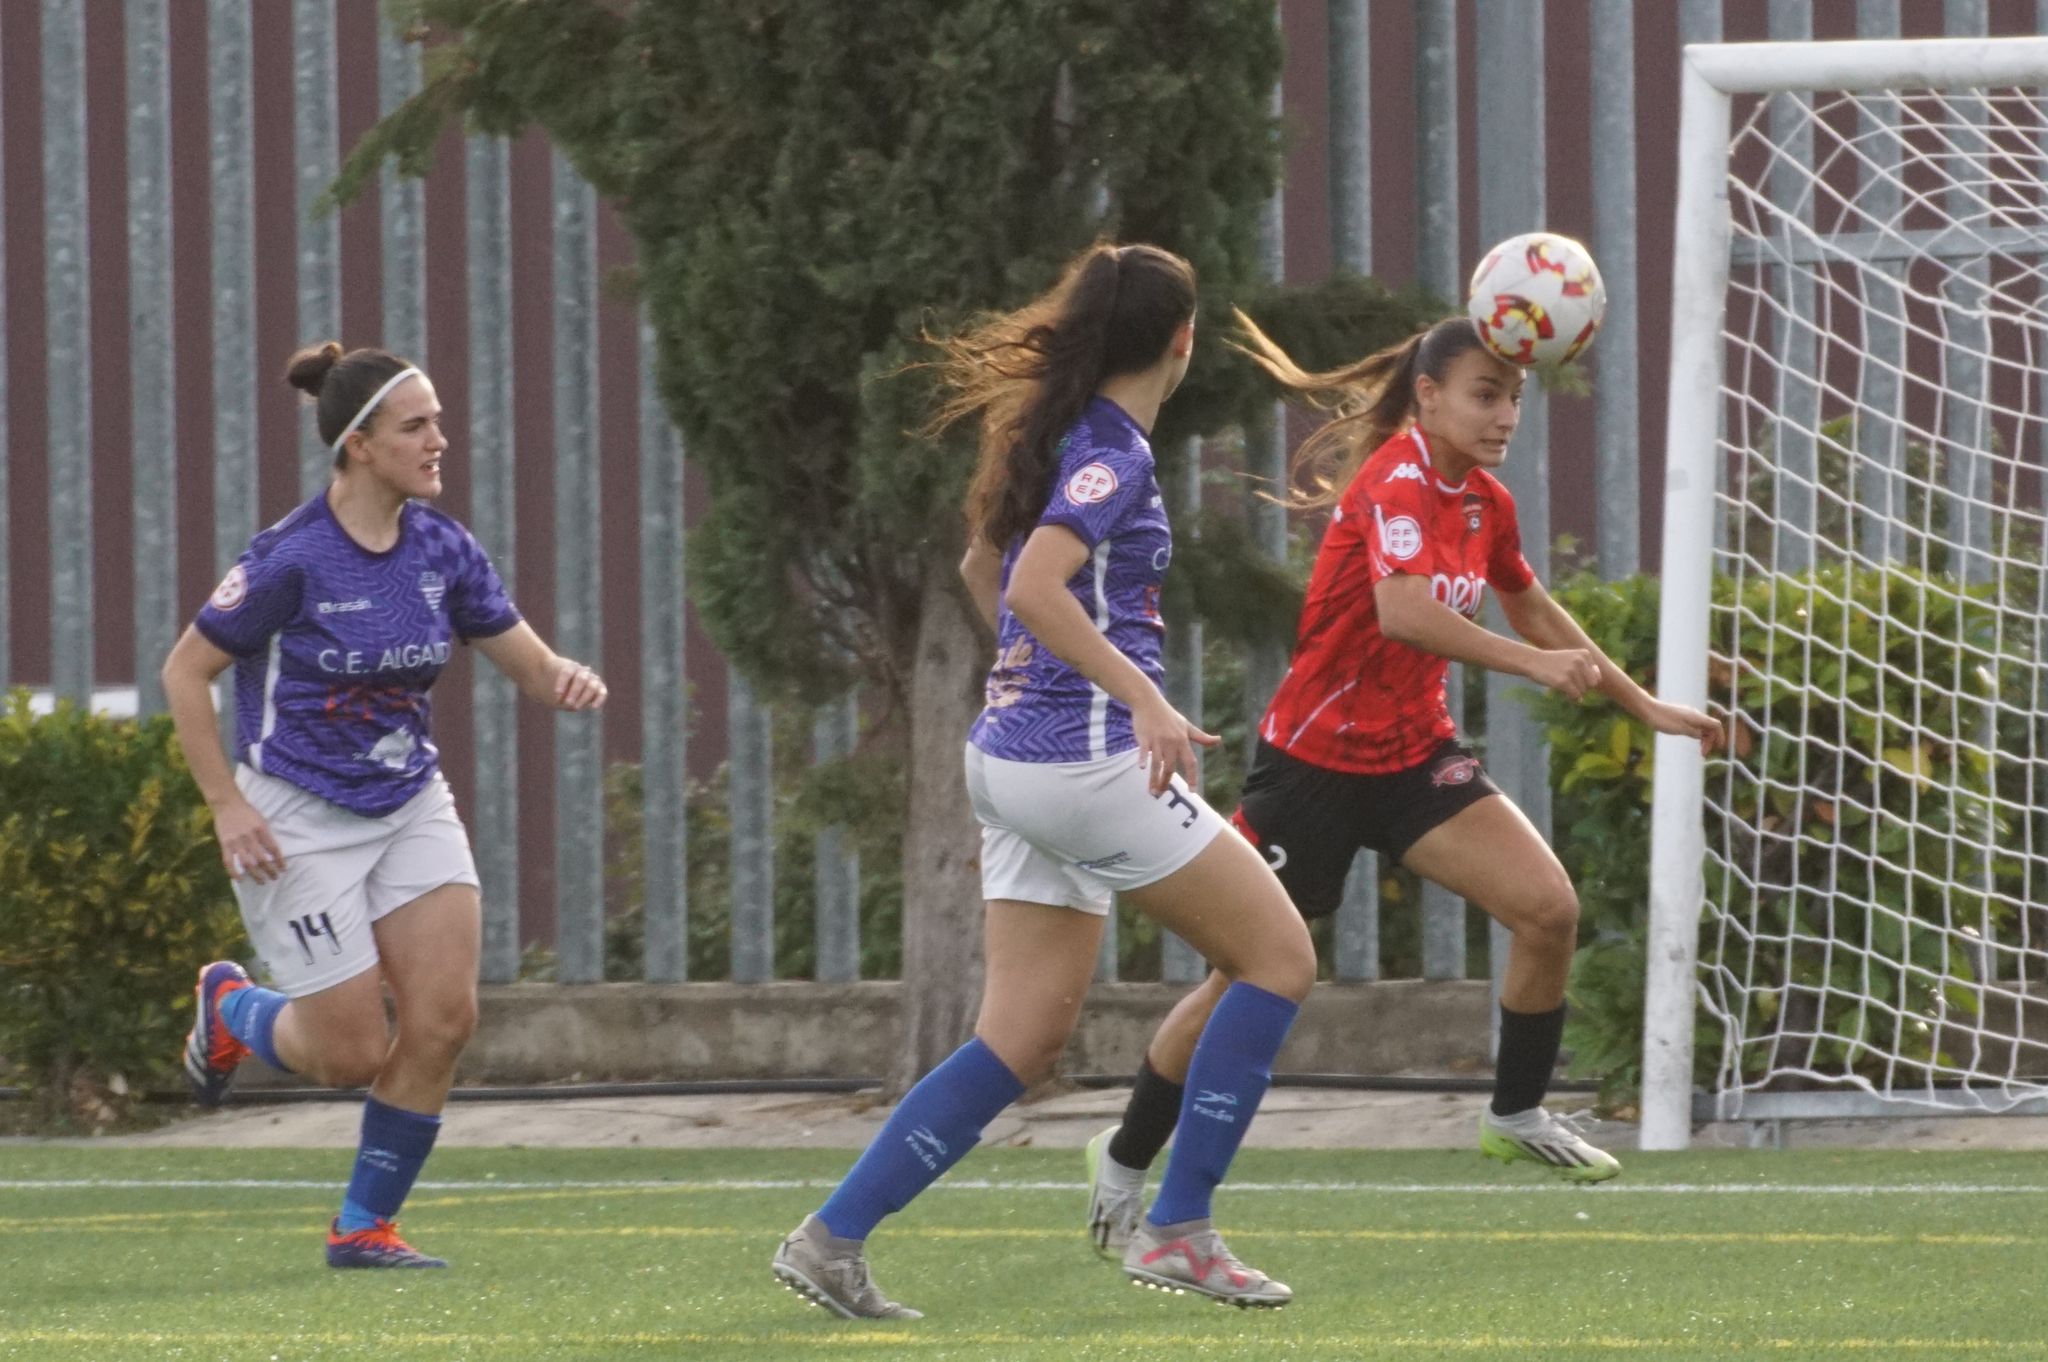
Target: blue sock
{"points": [[395, 1144], [1233, 1063], [251, 1017], [932, 1129]]}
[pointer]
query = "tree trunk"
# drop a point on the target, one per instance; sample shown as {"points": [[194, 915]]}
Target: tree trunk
{"points": [[942, 843]]}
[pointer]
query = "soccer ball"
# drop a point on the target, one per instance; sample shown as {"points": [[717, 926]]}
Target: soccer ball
{"points": [[1537, 299]]}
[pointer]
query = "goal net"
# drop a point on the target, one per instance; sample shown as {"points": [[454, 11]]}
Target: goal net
{"points": [[1850, 904]]}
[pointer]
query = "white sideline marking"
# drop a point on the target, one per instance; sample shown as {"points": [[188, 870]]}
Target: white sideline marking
{"points": [[990, 1185]]}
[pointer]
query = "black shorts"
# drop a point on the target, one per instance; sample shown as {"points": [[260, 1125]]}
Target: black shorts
{"points": [[1311, 822]]}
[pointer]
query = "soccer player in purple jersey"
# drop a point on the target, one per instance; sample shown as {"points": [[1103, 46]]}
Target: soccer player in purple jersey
{"points": [[1075, 770], [351, 867]]}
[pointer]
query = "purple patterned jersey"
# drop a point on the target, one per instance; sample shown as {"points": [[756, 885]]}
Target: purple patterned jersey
{"points": [[335, 647], [1038, 707]]}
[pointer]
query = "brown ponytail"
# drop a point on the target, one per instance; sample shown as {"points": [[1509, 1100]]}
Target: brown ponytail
{"points": [[1029, 374], [1369, 400]]}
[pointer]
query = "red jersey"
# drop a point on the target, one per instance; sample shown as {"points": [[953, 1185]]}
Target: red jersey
{"points": [[1354, 699]]}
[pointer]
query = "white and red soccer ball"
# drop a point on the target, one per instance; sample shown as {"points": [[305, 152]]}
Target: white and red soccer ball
{"points": [[1537, 299]]}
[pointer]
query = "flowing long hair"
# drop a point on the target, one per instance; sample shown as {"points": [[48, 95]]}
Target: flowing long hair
{"points": [[1029, 374], [1370, 401]]}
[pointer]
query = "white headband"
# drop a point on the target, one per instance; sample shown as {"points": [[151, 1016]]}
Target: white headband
{"points": [[371, 405]]}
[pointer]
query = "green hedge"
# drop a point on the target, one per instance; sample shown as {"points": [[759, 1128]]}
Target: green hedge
{"points": [[1800, 642], [111, 897]]}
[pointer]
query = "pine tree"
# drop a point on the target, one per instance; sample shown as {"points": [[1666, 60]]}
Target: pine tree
{"points": [[812, 187]]}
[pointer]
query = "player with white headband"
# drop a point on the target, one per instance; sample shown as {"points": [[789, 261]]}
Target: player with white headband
{"points": [[349, 861]]}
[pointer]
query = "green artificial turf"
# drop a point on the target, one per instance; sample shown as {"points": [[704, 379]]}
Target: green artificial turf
{"points": [[1935, 1256]]}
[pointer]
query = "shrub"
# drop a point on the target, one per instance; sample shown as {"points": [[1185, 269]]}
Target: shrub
{"points": [[1832, 775], [112, 895]]}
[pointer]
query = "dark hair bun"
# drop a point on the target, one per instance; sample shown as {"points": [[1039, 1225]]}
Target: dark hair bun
{"points": [[310, 366]]}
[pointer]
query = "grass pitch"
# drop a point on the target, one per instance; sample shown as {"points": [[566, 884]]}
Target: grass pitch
{"points": [[139, 1253]]}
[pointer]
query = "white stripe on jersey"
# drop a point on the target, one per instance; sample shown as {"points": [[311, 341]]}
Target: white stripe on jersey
{"points": [[271, 669], [1330, 700], [1098, 707]]}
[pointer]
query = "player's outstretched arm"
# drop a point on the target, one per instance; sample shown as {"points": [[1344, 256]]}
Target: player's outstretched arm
{"points": [[541, 673], [1410, 613], [1536, 616]]}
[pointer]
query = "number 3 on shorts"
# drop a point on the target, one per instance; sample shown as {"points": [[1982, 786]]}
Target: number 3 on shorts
{"points": [[311, 928]]}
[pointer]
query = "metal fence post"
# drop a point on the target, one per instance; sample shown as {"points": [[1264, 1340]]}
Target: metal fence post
{"points": [[1511, 200], [1439, 268], [834, 734], [1180, 963], [665, 686], [232, 192], [579, 591], [68, 287], [402, 206], [494, 522], [317, 158], [750, 796], [151, 357]]}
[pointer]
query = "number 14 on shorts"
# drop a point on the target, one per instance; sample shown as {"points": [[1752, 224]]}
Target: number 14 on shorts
{"points": [[314, 927]]}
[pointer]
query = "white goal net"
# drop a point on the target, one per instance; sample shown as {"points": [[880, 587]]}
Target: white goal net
{"points": [[1854, 575]]}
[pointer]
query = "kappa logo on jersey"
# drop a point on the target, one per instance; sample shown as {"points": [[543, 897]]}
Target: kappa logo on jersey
{"points": [[1401, 537], [1408, 471], [1096, 482], [232, 591], [432, 587], [1457, 769]]}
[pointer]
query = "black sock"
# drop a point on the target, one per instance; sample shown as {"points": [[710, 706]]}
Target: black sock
{"points": [[1528, 1052], [1149, 1119]]}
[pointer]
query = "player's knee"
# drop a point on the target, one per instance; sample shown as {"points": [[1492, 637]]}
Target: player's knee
{"points": [[443, 1027], [1284, 963], [1033, 1056], [1551, 917]]}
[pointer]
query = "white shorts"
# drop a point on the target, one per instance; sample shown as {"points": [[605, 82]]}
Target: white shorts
{"points": [[342, 872], [1072, 833]]}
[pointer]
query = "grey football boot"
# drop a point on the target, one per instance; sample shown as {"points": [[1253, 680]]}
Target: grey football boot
{"points": [[1116, 1197], [833, 1272], [1191, 1256]]}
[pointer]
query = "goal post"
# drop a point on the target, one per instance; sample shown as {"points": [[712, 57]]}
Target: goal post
{"points": [[1852, 569]]}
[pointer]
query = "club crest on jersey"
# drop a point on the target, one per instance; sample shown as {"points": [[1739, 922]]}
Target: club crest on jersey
{"points": [[1401, 537], [1457, 769], [1093, 483], [432, 587], [1474, 504], [232, 591]]}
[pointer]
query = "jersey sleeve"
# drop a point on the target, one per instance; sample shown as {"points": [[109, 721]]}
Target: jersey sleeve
{"points": [[259, 596], [1506, 569], [479, 606], [1097, 488], [1398, 518]]}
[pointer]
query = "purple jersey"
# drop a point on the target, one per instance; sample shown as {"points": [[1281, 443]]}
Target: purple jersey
{"points": [[1038, 707], [335, 647]]}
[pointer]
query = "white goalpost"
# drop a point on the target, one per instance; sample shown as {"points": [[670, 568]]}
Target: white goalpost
{"points": [[1847, 906]]}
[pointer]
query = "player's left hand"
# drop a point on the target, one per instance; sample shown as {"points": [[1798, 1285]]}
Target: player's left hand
{"points": [[1686, 722], [577, 687]]}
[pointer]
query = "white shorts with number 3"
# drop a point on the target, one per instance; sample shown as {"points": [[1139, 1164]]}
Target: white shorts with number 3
{"points": [[1072, 833], [311, 926]]}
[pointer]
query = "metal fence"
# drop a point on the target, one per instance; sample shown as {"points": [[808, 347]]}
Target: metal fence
{"points": [[557, 376]]}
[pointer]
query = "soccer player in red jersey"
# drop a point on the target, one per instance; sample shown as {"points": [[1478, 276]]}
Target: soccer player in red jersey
{"points": [[1358, 750]]}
